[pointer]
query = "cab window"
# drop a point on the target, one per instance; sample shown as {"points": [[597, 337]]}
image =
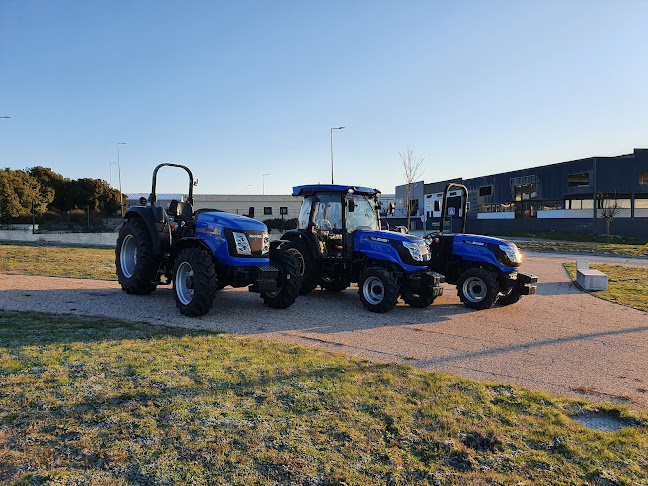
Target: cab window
{"points": [[327, 215], [364, 216]]}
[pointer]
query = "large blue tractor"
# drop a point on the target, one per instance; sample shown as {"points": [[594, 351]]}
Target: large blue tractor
{"points": [[201, 252], [484, 269], [339, 241]]}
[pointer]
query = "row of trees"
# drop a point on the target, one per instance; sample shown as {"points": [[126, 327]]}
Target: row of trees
{"points": [[45, 190]]}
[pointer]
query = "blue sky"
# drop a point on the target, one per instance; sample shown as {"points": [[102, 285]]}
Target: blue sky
{"points": [[236, 90]]}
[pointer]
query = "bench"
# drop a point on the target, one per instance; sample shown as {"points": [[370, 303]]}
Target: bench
{"points": [[591, 279]]}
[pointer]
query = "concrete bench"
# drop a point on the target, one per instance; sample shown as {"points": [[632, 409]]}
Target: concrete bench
{"points": [[592, 279]]}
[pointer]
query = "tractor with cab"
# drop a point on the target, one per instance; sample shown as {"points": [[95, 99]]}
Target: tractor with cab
{"points": [[201, 252], [484, 269], [339, 241]]}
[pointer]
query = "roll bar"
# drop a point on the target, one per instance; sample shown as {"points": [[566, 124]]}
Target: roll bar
{"points": [[153, 195], [444, 210]]}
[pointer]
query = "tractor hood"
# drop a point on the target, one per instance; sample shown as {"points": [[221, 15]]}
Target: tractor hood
{"points": [[486, 248], [410, 250], [227, 220]]}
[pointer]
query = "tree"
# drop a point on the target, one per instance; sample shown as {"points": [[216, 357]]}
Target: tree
{"points": [[412, 171], [609, 207], [19, 190]]}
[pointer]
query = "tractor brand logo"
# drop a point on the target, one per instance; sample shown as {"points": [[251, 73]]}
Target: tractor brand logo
{"points": [[470, 242], [255, 236], [382, 240], [209, 229]]}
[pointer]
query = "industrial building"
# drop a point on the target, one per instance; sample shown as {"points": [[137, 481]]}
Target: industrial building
{"points": [[568, 197]]}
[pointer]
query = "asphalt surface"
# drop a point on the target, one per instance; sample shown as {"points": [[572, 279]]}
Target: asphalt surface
{"points": [[561, 340]]}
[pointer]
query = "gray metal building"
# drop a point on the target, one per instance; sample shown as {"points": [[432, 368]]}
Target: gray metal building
{"points": [[567, 196]]}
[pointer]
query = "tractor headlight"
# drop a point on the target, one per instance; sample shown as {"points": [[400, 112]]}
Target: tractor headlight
{"points": [[242, 244], [266, 244], [419, 251], [512, 253]]}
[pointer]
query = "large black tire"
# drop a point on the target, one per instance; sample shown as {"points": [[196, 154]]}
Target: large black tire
{"points": [[508, 297], [194, 282], [135, 262], [334, 284], [289, 280], [309, 269], [378, 289], [419, 300], [477, 288]]}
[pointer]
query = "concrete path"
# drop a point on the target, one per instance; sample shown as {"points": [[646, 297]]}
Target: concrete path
{"points": [[561, 340]]}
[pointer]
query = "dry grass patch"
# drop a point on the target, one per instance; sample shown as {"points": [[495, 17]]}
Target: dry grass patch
{"points": [[87, 400]]}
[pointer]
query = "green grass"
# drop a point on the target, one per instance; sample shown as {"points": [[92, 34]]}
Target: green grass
{"points": [[627, 284], [574, 237], [584, 248], [58, 261], [86, 400]]}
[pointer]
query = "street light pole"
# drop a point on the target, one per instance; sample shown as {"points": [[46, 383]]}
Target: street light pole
{"points": [[338, 128], [263, 186], [121, 199]]}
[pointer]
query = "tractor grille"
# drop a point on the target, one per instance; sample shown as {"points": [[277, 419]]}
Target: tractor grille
{"points": [[255, 239]]}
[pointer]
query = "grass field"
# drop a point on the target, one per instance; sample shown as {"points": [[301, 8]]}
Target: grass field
{"points": [[585, 248], [574, 237], [87, 400], [627, 284], [58, 261]]}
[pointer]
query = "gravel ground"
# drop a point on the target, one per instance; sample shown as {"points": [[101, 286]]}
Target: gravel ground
{"points": [[560, 340]]}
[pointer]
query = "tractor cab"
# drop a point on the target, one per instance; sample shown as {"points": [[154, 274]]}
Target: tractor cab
{"points": [[333, 214]]}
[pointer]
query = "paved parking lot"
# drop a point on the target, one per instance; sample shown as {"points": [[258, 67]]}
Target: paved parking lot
{"points": [[561, 340]]}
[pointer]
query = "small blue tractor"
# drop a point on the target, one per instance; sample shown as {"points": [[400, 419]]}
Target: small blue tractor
{"points": [[201, 252], [484, 269], [339, 241]]}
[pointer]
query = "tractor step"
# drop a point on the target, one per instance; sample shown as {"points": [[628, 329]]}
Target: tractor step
{"points": [[266, 280]]}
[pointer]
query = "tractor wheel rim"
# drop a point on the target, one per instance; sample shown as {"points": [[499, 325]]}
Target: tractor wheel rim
{"points": [[373, 290], [184, 281], [128, 256], [474, 289]]}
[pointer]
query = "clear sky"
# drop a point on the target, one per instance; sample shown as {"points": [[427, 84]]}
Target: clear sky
{"points": [[238, 89]]}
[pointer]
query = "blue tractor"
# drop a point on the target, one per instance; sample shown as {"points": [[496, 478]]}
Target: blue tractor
{"points": [[484, 269], [339, 241], [201, 252]]}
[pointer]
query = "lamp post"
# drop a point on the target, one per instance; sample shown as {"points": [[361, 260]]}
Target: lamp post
{"points": [[263, 185], [338, 128], [121, 200]]}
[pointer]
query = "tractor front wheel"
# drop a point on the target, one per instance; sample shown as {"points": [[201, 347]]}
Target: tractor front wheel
{"points": [[289, 280], [135, 262], [378, 289], [477, 288], [194, 282]]}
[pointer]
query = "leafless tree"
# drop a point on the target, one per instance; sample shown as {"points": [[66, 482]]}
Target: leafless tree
{"points": [[610, 207], [412, 171]]}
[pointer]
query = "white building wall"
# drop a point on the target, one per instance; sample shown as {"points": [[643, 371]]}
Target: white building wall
{"points": [[241, 204]]}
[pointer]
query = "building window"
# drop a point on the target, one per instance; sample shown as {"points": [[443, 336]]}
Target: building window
{"points": [[283, 210], [437, 205], [550, 205], [643, 178], [641, 203], [267, 210], [251, 212], [577, 180], [486, 191], [579, 204], [525, 192]]}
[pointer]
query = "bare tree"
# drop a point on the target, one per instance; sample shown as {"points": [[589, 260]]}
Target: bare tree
{"points": [[412, 171], [609, 207]]}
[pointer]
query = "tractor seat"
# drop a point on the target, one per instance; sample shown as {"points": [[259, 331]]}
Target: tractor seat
{"points": [[179, 210]]}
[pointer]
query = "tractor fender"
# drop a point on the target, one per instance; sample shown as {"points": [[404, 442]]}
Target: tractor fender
{"points": [[157, 223], [305, 238]]}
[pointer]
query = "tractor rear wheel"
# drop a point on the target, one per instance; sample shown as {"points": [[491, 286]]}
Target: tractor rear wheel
{"points": [[378, 289], [419, 300], [135, 262], [508, 297], [477, 288], [289, 281], [194, 282], [308, 268]]}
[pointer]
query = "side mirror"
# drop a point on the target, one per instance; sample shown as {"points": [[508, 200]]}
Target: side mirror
{"points": [[391, 208], [378, 205], [142, 201], [351, 205]]}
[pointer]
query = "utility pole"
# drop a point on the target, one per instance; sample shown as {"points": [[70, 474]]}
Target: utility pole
{"points": [[338, 128], [121, 199]]}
